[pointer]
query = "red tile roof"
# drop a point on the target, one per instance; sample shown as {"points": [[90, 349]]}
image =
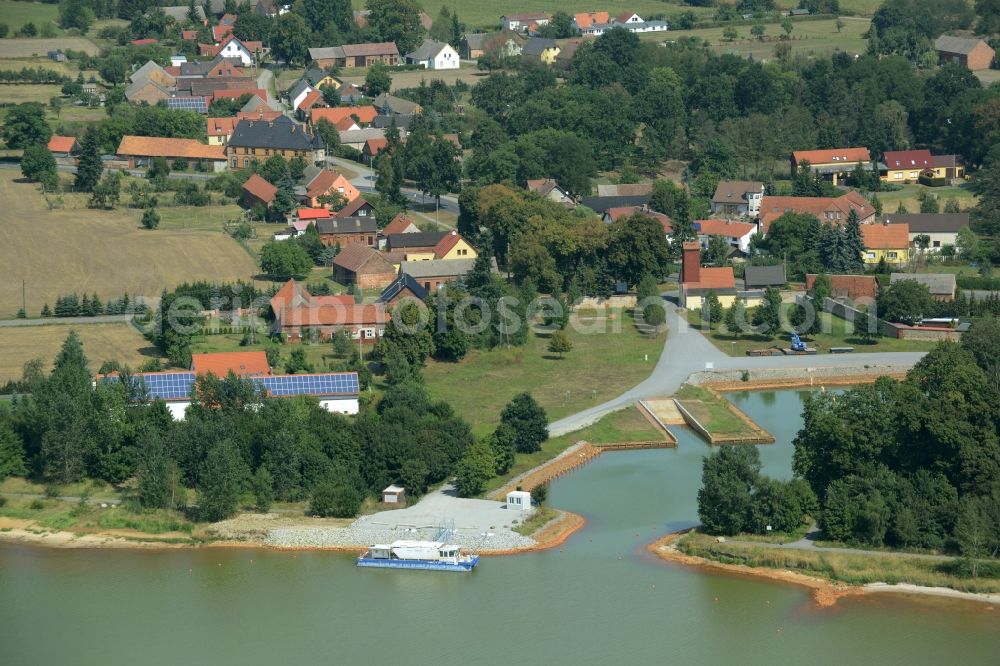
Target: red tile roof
{"points": [[886, 236], [714, 278], [145, 42], [236, 93], [154, 146], [260, 188], [242, 363], [345, 124], [624, 17], [61, 144], [771, 208], [311, 100], [366, 114], [352, 207], [313, 213], [189, 35], [832, 156], [335, 314], [851, 286], [724, 228], [398, 225], [220, 126], [617, 212], [586, 19], [326, 180], [909, 159], [446, 244], [221, 31], [258, 115], [375, 146]]}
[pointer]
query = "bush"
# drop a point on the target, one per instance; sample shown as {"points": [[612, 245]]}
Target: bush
{"points": [[36, 505], [52, 491], [3, 501], [977, 282], [331, 500], [928, 181], [539, 494]]}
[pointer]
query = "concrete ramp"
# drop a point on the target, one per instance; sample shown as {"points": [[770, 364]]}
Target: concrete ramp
{"points": [[665, 409]]}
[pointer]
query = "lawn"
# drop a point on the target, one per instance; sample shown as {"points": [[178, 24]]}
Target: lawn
{"points": [[834, 334], [68, 250], [28, 92], [601, 366], [101, 342], [808, 37], [31, 48], [909, 197], [626, 425], [711, 410], [16, 14]]}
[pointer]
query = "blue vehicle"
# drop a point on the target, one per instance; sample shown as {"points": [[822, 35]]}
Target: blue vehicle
{"points": [[425, 555], [797, 344]]}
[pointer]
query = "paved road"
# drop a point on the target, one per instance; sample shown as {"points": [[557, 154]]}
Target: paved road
{"points": [[103, 319], [264, 82], [365, 181], [686, 351]]}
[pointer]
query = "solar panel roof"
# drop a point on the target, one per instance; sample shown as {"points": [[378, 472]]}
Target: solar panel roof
{"points": [[177, 385]]}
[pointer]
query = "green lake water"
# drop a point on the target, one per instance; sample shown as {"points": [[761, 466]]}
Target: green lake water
{"points": [[600, 599]]}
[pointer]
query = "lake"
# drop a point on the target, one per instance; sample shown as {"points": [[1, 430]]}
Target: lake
{"points": [[598, 599]]}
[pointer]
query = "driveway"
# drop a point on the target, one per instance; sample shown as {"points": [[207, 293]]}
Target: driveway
{"points": [[472, 515], [686, 351], [264, 82]]}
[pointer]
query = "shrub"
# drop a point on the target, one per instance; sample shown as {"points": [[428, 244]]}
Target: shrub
{"points": [[539, 494], [36, 505], [3, 500], [52, 490], [334, 500]]}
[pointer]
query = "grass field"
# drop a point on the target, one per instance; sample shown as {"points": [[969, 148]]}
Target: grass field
{"points": [[600, 367], [852, 568], [808, 37], [909, 197], [30, 48], [16, 14], [73, 250], [20, 93], [101, 342], [712, 411], [834, 335], [626, 425], [412, 78]]}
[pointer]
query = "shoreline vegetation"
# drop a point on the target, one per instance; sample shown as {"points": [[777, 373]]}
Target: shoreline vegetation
{"points": [[824, 573]]}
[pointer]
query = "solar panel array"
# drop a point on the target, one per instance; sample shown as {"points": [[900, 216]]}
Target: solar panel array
{"points": [[188, 104], [177, 385], [332, 384]]}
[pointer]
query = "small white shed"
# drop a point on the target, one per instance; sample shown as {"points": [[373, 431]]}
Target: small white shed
{"points": [[519, 500], [394, 495]]}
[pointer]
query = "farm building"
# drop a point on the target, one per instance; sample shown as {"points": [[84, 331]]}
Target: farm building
{"points": [[138, 151]]}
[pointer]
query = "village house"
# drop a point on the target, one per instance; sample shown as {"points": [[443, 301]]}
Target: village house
{"points": [[350, 56], [403, 287], [372, 148], [139, 151], [364, 266], [434, 273], [697, 282], [319, 78], [362, 115], [62, 146], [257, 192], [905, 166], [584, 20], [356, 138], [525, 22], [941, 285], [150, 84], [550, 189], [834, 210], [298, 93], [254, 140], [428, 246], [859, 288], [327, 183], [948, 167], [343, 231], [615, 214], [432, 54], [970, 52], [834, 164], [387, 104], [940, 228], [219, 130], [737, 234], [474, 45], [242, 364], [232, 47], [219, 66], [738, 197], [298, 313], [602, 204], [401, 224], [597, 23], [541, 48], [890, 242]]}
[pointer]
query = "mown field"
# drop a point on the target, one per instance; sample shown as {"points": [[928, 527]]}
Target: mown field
{"points": [[29, 48], [909, 196], [101, 342], [808, 37], [600, 367], [16, 14], [79, 249]]}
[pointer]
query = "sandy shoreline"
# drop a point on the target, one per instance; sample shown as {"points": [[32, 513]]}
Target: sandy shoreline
{"points": [[24, 532], [825, 592], [797, 383]]}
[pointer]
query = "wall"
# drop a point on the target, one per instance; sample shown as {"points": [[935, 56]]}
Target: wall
{"points": [[928, 335], [340, 405]]}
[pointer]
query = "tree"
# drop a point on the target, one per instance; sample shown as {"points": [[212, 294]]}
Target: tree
{"points": [[89, 167], [262, 485], [298, 363], [152, 471], [289, 38], [396, 21], [55, 103], [107, 193], [150, 218], [711, 310], [25, 126], [441, 26], [735, 318], [905, 301], [476, 467], [38, 164], [840, 24], [75, 14], [728, 477], [378, 80], [758, 30], [220, 481], [319, 13], [787, 26], [637, 247], [504, 444], [559, 343], [967, 243], [283, 260], [767, 314], [974, 533], [11, 453], [527, 418], [729, 33], [335, 499]]}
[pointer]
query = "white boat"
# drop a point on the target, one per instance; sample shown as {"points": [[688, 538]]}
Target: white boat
{"points": [[428, 555]]}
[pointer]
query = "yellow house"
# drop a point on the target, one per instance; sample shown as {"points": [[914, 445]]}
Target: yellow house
{"points": [[542, 48], [886, 241], [696, 282], [906, 166], [453, 246], [947, 166], [318, 78]]}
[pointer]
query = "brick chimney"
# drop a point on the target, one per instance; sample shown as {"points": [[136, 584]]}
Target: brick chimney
{"points": [[691, 262]]}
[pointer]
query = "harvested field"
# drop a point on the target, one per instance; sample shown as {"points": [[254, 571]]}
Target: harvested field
{"points": [[412, 78], [64, 251], [18, 94], [101, 342], [28, 48]]}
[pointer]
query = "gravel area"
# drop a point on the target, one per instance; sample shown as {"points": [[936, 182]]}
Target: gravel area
{"points": [[362, 535], [848, 369]]}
